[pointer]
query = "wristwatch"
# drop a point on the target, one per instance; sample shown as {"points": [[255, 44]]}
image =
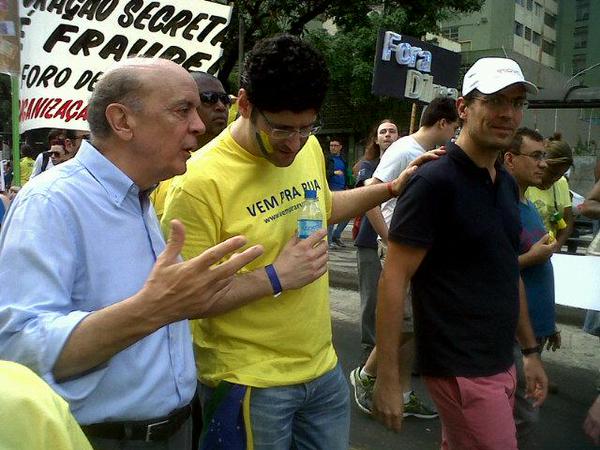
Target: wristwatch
{"points": [[530, 350]]}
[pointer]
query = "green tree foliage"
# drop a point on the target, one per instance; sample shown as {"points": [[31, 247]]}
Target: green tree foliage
{"points": [[262, 18]]}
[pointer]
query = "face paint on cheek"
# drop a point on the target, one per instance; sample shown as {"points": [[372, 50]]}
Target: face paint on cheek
{"points": [[264, 142]]}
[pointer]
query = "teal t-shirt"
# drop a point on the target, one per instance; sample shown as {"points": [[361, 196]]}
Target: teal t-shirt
{"points": [[538, 279]]}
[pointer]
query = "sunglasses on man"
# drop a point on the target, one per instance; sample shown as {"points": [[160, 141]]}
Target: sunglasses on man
{"points": [[211, 98]]}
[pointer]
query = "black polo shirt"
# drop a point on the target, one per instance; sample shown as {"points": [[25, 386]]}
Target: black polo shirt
{"points": [[465, 293]]}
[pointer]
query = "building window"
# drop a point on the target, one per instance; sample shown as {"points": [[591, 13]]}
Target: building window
{"points": [[518, 29], [580, 37], [530, 5], [579, 63], [537, 38], [520, 2], [582, 10], [539, 9], [548, 47], [527, 33], [550, 20], [450, 33]]}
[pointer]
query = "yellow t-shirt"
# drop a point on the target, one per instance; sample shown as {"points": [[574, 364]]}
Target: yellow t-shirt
{"points": [[225, 192], [33, 416], [158, 195], [26, 167], [547, 202]]}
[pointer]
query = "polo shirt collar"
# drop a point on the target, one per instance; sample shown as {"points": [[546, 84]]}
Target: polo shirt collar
{"points": [[458, 154]]}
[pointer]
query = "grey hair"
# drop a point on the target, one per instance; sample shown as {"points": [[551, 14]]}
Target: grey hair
{"points": [[124, 86]]}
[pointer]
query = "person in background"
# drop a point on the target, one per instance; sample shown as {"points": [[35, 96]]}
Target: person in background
{"points": [[213, 110], [43, 161], [438, 125], [66, 143], [367, 257], [552, 198], [337, 180], [27, 162], [33, 416], [525, 161]]}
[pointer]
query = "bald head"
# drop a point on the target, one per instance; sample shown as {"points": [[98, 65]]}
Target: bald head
{"points": [[127, 83], [214, 105]]}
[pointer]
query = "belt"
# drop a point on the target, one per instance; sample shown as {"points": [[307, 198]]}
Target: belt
{"points": [[152, 430]]}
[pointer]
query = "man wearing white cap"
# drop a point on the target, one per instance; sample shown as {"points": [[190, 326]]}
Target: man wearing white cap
{"points": [[455, 234]]}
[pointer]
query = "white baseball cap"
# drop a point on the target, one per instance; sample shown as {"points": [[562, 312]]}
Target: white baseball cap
{"points": [[490, 75]]}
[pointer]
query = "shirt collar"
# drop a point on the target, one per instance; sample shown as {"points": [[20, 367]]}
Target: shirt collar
{"points": [[459, 155], [114, 181]]}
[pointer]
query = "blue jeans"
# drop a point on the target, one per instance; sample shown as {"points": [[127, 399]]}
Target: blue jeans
{"points": [[337, 233], [313, 415]]}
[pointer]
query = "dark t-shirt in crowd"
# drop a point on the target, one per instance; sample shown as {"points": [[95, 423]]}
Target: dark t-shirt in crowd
{"points": [[466, 290], [367, 236]]}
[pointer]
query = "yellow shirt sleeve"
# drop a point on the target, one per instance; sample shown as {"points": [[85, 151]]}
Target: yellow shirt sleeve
{"points": [[563, 196], [33, 416]]}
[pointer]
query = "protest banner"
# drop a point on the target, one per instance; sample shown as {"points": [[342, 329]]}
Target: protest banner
{"points": [[407, 68], [68, 44], [577, 280]]}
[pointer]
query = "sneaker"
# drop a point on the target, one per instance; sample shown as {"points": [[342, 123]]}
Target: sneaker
{"points": [[363, 390], [415, 407], [338, 242]]}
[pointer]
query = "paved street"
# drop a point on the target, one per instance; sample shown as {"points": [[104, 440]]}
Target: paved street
{"points": [[572, 368]]}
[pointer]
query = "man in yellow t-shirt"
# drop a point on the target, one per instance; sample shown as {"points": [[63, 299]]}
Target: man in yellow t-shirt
{"points": [[214, 112], [33, 416], [273, 336]]}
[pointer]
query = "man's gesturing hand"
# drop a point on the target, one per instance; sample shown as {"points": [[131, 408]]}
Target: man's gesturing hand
{"points": [[400, 183], [188, 290]]}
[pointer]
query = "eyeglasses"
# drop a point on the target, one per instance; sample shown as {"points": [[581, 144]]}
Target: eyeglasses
{"points": [[537, 156], [211, 98], [280, 134], [500, 102]]}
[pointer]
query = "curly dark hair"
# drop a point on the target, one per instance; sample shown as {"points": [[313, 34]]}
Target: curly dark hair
{"points": [[285, 73]]}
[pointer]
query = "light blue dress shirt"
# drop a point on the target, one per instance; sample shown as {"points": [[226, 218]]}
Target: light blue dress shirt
{"points": [[78, 238]]}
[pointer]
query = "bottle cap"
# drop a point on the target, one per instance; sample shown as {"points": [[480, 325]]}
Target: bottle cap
{"points": [[309, 193]]}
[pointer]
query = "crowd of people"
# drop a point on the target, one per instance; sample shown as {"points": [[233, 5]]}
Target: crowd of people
{"points": [[175, 307]]}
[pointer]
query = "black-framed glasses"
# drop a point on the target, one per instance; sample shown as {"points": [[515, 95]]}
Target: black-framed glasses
{"points": [[211, 98], [537, 156], [501, 102], [281, 134]]}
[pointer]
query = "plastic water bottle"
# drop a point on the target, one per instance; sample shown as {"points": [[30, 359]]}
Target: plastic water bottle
{"points": [[310, 219]]}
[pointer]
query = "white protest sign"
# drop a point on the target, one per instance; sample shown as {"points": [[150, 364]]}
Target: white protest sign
{"points": [[67, 44], [577, 280]]}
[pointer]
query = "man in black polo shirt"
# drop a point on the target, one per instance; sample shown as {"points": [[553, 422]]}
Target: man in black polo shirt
{"points": [[455, 233]]}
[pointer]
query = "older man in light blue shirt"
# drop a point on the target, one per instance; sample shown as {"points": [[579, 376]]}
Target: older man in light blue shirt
{"points": [[91, 298]]}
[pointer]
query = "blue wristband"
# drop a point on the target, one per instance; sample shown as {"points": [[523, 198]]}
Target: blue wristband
{"points": [[274, 279]]}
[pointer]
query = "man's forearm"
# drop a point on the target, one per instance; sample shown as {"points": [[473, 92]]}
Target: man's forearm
{"points": [[245, 288], [103, 334], [565, 233], [591, 209], [525, 334], [377, 222], [390, 313], [354, 202]]}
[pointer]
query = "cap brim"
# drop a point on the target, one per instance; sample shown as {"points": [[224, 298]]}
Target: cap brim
{"points": [[528, 85]]}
